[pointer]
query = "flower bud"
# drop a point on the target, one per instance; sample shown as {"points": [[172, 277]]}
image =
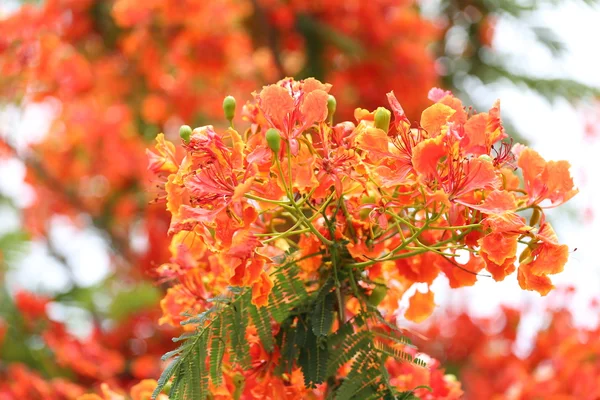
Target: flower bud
{"points": [[273, 139], [377, 295], [525, 256], [229, 107], [364, 212], [536, 215], [185, 131], [382, 119], [331, 107], [486, 158], [238, 383]]}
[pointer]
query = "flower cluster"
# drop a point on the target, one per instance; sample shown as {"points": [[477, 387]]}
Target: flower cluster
{"points": [[373, 206], [561, 362]]}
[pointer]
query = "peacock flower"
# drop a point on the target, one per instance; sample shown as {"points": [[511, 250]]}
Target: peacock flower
{"points": [[292, 107], [165, 160], [547, 183]]}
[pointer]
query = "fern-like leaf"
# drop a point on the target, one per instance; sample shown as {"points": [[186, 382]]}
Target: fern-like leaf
{"points": [[322, 316], [217, 351], [262, 321], [358, 342], [397, 353], [313, 357], [362, 373], [288, 292], [288, 348], [237, 323], [400, 339], [193, 375], [167, 374]]}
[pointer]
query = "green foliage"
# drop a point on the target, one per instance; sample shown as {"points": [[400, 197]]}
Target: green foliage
{"points": [[261, 319], [12, 246], [304, 339], [125, 303], [236, 316], [288, 292], [313, 354], [189, 367]]}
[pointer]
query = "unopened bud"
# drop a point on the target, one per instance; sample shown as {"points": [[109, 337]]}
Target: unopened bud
{"points": [[382, 119], [229, 107], [486, 158], [273, 139], [331, 107], [377, 295], [185, 132], [239, 381], [536, 215], [525, 256]]}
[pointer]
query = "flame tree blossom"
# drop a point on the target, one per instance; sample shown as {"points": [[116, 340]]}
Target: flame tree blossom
{"points": [[322, 228]]}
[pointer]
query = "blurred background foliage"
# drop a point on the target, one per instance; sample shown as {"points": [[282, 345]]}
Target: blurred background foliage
{"points": [[85, 85]]}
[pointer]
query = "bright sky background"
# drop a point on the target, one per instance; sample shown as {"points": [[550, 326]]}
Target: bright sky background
{"points": [[557, 131]]}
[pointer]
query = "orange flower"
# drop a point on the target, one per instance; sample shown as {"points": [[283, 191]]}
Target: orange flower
{"points": [[176, 302], [261, 290], [154, 108], [462, 275], [547, 258], [482, 131], [32, 306], [293, 107], [143, 390], [88, 358], [545, 180], [419, 268], [435, 119], [421, 306], [165, 160], [107, 394]]}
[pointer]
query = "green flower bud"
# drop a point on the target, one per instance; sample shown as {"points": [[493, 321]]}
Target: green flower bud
{"points": [[185, 132], [238, 382], [536, 215], [167, 388], [273, 139], [229, 107], [382, 119], [525, 255], [364, 213], [377, 295], [331, 107], [485, 157], [367, 200]]}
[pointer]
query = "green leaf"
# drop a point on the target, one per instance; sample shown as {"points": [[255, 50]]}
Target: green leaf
{"points": [[261, 319], [362, 373], [288, 292], [358, 342], [237, 323], [288, 348], [166, 375], [217, 351], [397, 354], [322, 316], [313, 358], [13, 245], [196, 361]]}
